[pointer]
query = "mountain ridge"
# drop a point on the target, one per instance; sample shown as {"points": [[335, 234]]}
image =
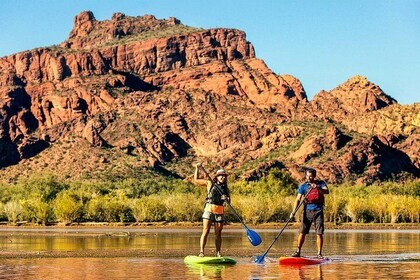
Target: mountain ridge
{"points": [[167, 100]]}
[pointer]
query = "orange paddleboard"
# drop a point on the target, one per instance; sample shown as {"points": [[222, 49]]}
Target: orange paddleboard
{"points": [[302, 261]]}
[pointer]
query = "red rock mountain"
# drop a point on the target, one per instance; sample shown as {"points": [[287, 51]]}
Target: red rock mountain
{"points": [[135, 92]]}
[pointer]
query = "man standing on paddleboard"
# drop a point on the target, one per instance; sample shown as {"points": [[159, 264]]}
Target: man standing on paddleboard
{"points": [[312, 191], [217, 194]]}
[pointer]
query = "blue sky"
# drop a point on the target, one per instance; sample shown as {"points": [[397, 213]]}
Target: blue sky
{"points": [[322, 43]]}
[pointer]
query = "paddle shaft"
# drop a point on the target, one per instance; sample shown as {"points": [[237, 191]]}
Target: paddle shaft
{"points": [[221, 193], [281, 231]]}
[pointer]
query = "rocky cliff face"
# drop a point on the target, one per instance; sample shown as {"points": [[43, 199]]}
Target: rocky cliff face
{"points": [[354, 97], [164, 94]]}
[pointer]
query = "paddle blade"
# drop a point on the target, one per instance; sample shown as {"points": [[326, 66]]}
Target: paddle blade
{"points": [[253, 237], [259, 259]]}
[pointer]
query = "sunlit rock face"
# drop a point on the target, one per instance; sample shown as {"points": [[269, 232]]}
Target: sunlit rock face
{"points": [[162, 92]]}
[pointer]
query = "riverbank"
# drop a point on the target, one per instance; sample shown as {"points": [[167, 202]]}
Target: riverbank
{"points": [[192, 225]]}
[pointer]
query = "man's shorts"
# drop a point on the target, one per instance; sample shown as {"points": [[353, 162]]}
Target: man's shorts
{"points": [[217, 218], [315, 216]]}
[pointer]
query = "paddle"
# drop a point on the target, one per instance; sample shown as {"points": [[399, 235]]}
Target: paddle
{"points": [[253, 237], [260, 259]]}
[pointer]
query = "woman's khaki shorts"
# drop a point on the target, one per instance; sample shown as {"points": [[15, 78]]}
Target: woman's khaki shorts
{"points": [[217, 218]]}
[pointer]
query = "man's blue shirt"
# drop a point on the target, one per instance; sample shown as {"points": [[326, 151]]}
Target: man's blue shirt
{"points": [[304, 188]]}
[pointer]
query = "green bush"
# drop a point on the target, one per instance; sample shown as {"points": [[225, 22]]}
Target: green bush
{"points": [[46, 186], [410, 188], [112, 207], [9, 192], [68, 208], [153, 197], [95, 209], [35, 210], [277, 182], [262, 208], [396, 208], [3, 216], [335, 205], [183, 207], [118, 209], [149, 209], [377, 206], [358, 209], [252, 209], [279, 208], [13, 211], [136, 188], [413, 209]]}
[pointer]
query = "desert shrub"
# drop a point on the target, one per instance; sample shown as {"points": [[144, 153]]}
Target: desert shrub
{"points": [[8, 193], [396, 208], [136, 188], [358, 190], [358, 209], [240, 187], [335, 204], [262, 208], [386, 202], [46, 186], [149, 209], [118, 209], [183, 207], [112, 207], [279, 208], [377, 205], [270, 199], [180, 186], [83, 191], [68, 208], [3, 216], [280, 182], [252, 209], [36, 210], [277, 182], [95, 209], [413, 209], [13, 211], [409, 188], [99, 187]]}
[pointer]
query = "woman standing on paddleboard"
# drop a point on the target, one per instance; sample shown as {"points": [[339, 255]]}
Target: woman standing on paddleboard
{"points": [[313, 192], [217, 194]]}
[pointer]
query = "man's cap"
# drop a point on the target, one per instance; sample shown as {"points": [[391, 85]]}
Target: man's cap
{"points": [[221, 172]]}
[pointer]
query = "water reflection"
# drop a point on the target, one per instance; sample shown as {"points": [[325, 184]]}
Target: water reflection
{"points": [[143, 268], [207, 271], [336, 242], [302, 272], [354, 254]]}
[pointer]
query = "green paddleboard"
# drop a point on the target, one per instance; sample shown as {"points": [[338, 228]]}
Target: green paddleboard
{"points": [[208, 260]]}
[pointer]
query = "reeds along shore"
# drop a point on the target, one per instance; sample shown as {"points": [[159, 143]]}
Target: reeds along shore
{"points": [[42, 199]]}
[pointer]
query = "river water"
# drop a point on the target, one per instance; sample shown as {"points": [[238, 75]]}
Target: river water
{"points": [[132, 253]]}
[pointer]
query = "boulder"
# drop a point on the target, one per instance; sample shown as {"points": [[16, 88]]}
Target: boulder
{"points": [[335, 139]]}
